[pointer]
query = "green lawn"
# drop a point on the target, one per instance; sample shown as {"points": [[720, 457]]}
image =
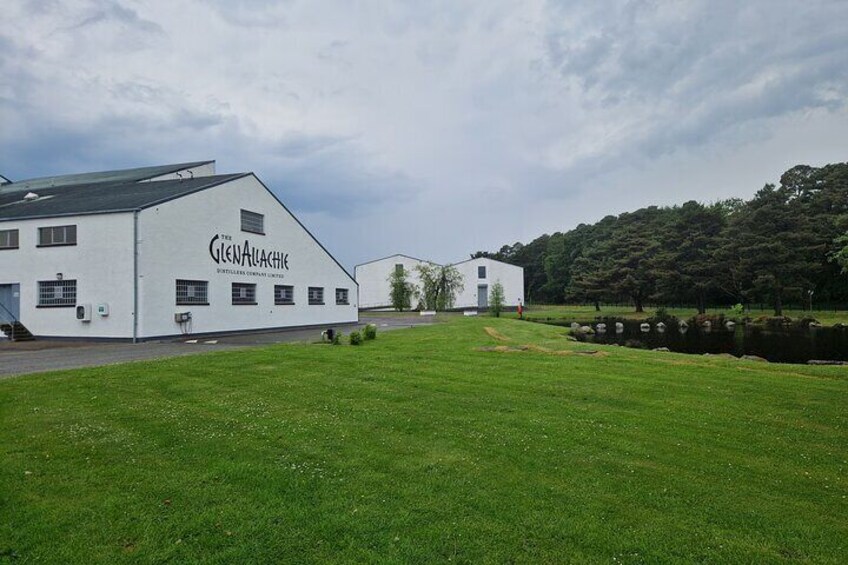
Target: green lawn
{"points": [[419, 447], [586, 313]]}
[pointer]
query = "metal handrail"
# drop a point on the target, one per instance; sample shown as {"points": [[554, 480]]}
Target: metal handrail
{"points": [[11, 317]]}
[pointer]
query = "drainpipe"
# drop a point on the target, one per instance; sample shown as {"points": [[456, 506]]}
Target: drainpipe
{"points": [[135, 276]]}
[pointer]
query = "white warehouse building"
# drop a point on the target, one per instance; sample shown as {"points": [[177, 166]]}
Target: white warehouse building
{"points": [[159, 252], [478, 276]]}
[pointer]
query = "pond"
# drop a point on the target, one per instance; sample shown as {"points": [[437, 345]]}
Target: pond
{"points": [[778, 345]]}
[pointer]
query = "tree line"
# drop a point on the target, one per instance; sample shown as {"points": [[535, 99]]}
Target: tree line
{"points": [[786, 244]]}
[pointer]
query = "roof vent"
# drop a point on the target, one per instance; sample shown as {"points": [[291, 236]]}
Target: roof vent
{"points": [[29, 196]]}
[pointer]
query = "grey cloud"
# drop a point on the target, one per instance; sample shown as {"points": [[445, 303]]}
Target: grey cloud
{"points": [[107, 12], [684, 74]]}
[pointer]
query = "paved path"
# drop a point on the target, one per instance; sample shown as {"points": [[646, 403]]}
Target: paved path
{"points": [[44, 355]]}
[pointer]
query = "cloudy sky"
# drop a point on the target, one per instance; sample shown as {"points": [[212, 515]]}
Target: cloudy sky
{"points": [[432, 128]]}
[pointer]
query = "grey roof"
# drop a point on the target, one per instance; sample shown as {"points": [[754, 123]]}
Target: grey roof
{"points": [[395, 255], [123, 175], [101, 197]]}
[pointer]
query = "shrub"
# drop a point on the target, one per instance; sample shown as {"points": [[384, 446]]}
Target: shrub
{"points": [[662, 315], [370, 332], [337, 338], [496, 299], [737, 311], [355, 338]]}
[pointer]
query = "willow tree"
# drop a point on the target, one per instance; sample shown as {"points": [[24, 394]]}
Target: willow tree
{"points": [[439, 285], [401, 291]]}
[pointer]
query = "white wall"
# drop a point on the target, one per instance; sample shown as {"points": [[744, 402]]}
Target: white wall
{"points": [[101, 263], [511, 278], [373, 279], [174, 244]]}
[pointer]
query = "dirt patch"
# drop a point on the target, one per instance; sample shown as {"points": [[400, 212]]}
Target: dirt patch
{"points": [[540, 349], [493, 333], [501, 349]]}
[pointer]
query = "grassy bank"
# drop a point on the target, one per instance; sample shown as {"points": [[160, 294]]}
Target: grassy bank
{"points": [[579, 313], [442, 443]]}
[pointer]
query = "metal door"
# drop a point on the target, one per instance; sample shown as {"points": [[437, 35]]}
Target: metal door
{"points": [[483, 296], [10, 301]]}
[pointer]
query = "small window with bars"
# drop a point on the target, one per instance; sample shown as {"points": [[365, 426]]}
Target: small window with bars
{"points": [[283, 294], [316, 295], [481, 272], [8, 239], [342, 296], [57, 235], [192, 292], [57, 294], [252, 222], [244, 293]]}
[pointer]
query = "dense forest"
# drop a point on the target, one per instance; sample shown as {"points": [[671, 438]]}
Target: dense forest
{"points": [[787, 245]]}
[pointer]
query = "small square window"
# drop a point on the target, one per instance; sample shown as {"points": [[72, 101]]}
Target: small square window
{"points": [[57, 235], [481, 272], [316, 295], [252, 222], [283, 294], [192, 292], [342, 296], [244, 293], [8, 239], [399, 268], [57, 294]]}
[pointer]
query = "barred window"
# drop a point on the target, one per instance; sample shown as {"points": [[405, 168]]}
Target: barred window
{"points": [[244, 293], [57, 293], [283, 294], [342, 296], [8, 239], [481, 272], [316, 295], [252, 222], [192, 292], [57, 235]]}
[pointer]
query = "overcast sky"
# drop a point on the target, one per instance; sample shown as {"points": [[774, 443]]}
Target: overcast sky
{"points": [[432, 128]]}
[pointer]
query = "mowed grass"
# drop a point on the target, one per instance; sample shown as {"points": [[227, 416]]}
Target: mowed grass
{"points": [[584, 313], [419, 447]]}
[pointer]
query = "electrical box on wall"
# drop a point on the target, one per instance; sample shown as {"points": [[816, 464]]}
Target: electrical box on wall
{"points": [[84, 312], [102, 309], [182, 317]]}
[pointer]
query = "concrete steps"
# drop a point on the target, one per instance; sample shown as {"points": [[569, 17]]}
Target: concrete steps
{"points": [[16, 331]]}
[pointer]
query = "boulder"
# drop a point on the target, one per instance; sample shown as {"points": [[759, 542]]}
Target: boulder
{"points": [[730, 324], [601, 328], [660, 327], [587, 329], [645, 327], [619, 327], [662, 349], [754, 358]]}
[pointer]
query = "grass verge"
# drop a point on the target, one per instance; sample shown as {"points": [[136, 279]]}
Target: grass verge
{"points": [[437, 443]]}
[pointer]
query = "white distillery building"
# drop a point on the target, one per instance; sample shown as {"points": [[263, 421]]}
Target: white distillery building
{"points": [[478, 277], [158, 252]]}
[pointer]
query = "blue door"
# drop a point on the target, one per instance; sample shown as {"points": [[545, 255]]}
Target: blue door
{"points": [[482, 296], [10, 301]]}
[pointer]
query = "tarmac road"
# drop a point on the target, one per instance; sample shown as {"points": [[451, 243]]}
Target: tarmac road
{"points": [[20, 358]]}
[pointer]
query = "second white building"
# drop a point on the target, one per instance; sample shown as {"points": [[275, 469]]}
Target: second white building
{"points": [[479, 275]]}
